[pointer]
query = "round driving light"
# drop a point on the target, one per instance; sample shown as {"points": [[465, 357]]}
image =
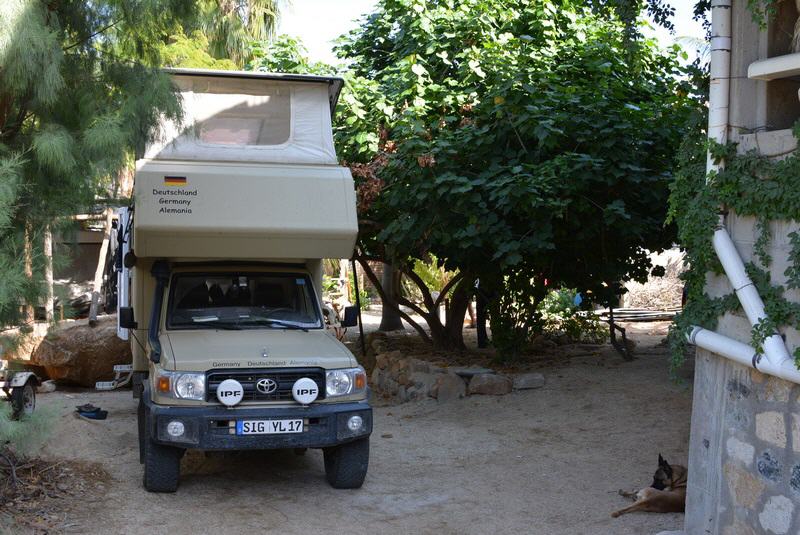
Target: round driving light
{"points": [[230, 392], [176, 428], [305, 390], [355, 422]]}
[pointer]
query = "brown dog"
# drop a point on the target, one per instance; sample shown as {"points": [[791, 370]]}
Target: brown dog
{"points": [[667, 494]]}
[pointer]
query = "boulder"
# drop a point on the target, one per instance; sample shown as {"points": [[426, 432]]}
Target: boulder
{"points": [[527, 381], [448, 386], [467, 372], [76, 354], [490, 384]]}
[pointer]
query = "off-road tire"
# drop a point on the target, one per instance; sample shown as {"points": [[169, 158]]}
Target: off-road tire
{"points": [[346, 465], [23, 400], [162, 467]]}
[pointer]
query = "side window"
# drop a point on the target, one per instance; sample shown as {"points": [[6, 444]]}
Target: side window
{"points": [[251, 114]]}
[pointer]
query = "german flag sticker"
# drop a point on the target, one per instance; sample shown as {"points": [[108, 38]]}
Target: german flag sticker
{"points": [[174, 180]]}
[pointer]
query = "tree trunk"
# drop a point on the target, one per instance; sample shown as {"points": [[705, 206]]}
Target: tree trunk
{"points": [[390, 317], [28, 315], [48, 273]]}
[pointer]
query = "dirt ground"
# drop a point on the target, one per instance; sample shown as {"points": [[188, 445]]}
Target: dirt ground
{"points": [[545, 461]]}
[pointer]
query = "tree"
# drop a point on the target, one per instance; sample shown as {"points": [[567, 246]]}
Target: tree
{"points": [[519, 142], [76, 98], [192, 51], [232, 25]]}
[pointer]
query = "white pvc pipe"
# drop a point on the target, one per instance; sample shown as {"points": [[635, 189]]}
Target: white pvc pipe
{"points": [[743, 354], [719, 90], [778, 362], [774, 347]]}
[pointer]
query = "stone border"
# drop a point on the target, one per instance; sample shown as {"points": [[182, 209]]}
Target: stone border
{"points": [[411, 379]]}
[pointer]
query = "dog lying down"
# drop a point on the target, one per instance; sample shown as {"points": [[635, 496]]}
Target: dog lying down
{"points": [[667, 494]]}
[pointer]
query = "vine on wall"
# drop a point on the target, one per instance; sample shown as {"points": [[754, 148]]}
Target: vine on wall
{"points": [[750, 185]]}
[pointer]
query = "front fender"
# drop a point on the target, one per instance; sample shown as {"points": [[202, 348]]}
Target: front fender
{"points": [[21, 378]]}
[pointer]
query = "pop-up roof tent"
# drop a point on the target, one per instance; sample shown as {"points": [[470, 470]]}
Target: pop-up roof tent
{"points": [[251, 173], [251, 117]]}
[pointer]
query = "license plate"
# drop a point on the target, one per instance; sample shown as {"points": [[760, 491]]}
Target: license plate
{"points": [[269, 427]]}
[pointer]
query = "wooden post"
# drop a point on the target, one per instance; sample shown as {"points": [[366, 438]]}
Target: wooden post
{"points": [[101, 265], [48, 273]]}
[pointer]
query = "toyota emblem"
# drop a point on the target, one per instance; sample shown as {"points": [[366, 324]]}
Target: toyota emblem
{"points": [[266, 386]]}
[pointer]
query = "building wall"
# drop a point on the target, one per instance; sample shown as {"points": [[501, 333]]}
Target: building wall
{"points": [[744, 452]]}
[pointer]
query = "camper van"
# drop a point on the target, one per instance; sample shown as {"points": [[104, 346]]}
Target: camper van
{"points": [[220, 287]]}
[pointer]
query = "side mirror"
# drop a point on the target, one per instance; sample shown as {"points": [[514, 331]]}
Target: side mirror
{"points": [[350, 317], [126, 320]]}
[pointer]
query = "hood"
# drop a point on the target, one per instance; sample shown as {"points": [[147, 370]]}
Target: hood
{"points": [[202, 350]]}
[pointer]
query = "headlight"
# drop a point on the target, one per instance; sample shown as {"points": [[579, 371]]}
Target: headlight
{"points": [[191, 386], [181, 385], [345, 382]]}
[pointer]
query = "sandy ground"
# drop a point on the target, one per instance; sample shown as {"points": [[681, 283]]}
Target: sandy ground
{"points": [[546, 461]]}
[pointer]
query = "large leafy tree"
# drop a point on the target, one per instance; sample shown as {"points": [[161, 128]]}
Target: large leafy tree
{"points": [[76, 99], [232, 25], [524, 142]]}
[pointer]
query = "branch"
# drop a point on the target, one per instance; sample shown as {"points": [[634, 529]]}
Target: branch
{"points": [[374, 280], [457, 278], [95, 34], [426, 294]]}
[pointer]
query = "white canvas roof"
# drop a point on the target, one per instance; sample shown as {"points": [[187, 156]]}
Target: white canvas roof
{"points": [[234, 116]]}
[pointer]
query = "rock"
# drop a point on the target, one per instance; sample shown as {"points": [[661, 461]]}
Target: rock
{"points": [[382, 361], [469, 371], [375, 342], [777, 515], [74, 353], [397, 363], [419, 366], [46, 387], [770, 428], [447, 387], [490, 385], [527, 381]]}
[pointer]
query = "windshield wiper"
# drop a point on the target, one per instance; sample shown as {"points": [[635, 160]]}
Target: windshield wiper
{"points": [[279, 323], [224, 325]]}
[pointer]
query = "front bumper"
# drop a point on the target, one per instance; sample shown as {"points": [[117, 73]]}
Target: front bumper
{"points": [[213, 428]]}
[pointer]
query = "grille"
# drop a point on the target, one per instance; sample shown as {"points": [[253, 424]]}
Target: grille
{"points": [[248, 377]]}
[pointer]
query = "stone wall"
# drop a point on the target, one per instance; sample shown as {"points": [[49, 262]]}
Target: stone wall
{"points": [[744, 453], [406, 378]]}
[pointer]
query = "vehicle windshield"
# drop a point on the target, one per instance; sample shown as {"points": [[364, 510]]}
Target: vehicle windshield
{"points": [[239, 300]]}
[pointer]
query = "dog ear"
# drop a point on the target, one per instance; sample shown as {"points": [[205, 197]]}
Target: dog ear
{"points": [[661, 461]]}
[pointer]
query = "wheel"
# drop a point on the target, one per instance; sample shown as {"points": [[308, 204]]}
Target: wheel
{"points": [[346, 465], [140, 423], [23, 400], [162, 466]]}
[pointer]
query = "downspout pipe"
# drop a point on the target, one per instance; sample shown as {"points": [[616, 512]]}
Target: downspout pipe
{"points": [[777, 360]]}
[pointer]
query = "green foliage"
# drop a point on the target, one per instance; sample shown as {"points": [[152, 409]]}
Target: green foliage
{"points": [[231, 26], [24, 437], [516, 317], [77, 97], [432, 274], [750, 185], [513, 136], [192, 51], [363, 296], [562, 317], [762, 10]]}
